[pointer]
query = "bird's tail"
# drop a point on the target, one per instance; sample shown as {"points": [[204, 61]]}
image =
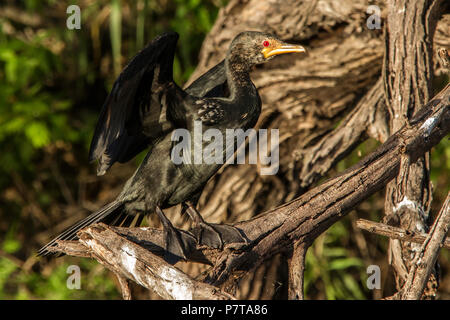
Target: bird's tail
{"points": [[111, 214]]}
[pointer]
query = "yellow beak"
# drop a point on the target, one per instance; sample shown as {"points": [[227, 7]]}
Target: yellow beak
{"points": [[280, 48]]}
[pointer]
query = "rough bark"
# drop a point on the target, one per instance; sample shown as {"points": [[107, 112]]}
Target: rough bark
{"points": [[422, 266], [408, 76], [297, 222], [296, 264], [131, 261]]}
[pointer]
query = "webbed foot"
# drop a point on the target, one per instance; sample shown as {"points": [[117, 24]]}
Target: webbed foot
{"points": [[211, 234], [176, 248]]}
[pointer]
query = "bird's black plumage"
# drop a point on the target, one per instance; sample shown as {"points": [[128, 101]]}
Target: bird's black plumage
{"points": [[145, 106], [131, 116]]}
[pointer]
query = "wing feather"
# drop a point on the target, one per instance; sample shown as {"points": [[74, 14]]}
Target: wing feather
{"points": [[123, 128], [135, 113]]}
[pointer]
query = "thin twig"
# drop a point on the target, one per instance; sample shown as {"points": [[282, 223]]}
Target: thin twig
{"points": [[395, 233]]}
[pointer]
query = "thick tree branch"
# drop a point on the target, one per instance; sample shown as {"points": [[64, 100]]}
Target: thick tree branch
{"points": [[308, 216], [300, 220], [131, 261]]}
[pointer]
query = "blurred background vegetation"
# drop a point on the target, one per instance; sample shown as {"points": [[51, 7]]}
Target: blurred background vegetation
{"points": [[53, 82]]}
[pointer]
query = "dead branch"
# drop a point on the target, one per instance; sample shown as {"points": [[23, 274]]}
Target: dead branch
{"points": [[425, 258], [395, 233], [129, 251], [124, 287], [445, 58], [128, 260]]}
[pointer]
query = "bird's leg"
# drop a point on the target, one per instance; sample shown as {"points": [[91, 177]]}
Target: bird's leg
{"points": [[211, 234], [204, 233], [175, 246]]}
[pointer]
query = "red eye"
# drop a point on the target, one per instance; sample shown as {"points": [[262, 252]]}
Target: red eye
{"points": [[266, 43]]}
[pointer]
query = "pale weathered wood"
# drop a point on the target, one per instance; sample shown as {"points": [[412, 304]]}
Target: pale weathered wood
{"points": [[131, 261]]}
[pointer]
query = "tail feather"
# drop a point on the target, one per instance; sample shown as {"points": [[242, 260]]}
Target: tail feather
{"points": [[112, 214]]}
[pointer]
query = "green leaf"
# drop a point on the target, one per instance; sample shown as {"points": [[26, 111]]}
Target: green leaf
{"points": [[352, 285], [115, 25], [340, 264], [11, 245], [335, 252], [15, 125], [38, 134]]}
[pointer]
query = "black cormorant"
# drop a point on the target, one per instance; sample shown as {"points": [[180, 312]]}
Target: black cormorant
{"points": [[143, 109]]}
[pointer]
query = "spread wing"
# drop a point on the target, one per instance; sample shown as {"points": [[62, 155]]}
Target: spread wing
{"points": [[135, 112], [211, 84]]}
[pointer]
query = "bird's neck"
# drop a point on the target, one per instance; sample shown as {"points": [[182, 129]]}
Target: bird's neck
{"points": [[238, 76]]}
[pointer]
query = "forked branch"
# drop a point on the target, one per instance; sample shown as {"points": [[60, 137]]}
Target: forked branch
{"points": [[299, 221]]}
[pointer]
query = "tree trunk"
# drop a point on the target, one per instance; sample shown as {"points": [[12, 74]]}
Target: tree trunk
{"points": [[408, 75]]}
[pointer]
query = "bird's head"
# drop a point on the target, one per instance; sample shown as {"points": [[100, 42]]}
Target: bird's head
{"points": [[252, 47]]}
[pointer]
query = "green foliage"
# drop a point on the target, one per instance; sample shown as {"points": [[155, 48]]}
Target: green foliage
{"points": [[19, 282], [333, 268], [11, 245], [440, 167], [31, 118], [16, 283], [193, 19], [115, 27]]}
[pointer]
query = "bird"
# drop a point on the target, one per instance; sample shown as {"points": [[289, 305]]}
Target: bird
{"points": [[145, 107]]}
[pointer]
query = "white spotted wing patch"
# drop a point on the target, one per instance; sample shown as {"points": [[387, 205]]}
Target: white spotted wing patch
{"points": [[210, 112]]}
